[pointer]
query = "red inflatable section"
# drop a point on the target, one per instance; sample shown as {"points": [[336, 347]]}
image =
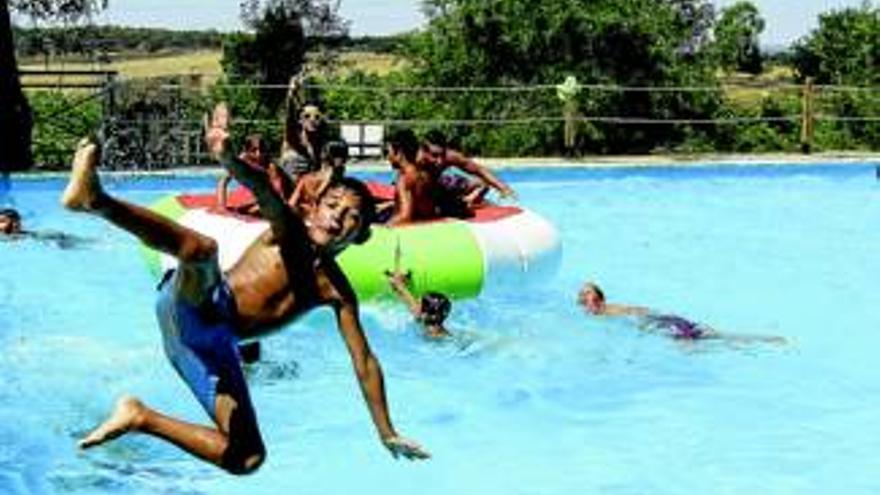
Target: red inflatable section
{"points": [[241, 196]]}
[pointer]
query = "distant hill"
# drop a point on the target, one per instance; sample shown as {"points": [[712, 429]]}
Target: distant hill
{"points": [[92, 43], [96, 41]]}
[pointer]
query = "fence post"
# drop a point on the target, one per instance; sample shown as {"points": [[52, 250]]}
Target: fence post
{"points": [[807, 117], [109, 113]]}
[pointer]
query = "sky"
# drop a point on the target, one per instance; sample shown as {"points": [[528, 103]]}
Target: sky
{"points": [[787, 20]]}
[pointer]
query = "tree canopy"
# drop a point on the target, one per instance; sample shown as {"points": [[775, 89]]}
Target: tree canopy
{"points": [[15, 114], [737, 38], [844, 49], [622, 42], [283, 32]]}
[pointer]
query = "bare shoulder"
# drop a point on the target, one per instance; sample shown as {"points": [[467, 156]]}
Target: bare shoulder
{"points": [[456, 157]]}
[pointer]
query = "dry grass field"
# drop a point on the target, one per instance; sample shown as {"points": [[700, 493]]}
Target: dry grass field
{"points": [[206, 63], [741, 90]]}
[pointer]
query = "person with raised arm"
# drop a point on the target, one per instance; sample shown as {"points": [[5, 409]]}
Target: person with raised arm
{"points": [[204, 312]]}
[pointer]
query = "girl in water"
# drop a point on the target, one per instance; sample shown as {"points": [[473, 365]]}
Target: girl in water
{"points": [[593, 301]]}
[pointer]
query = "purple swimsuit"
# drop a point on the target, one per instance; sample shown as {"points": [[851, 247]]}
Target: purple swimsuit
{"points": [[678, 327]]}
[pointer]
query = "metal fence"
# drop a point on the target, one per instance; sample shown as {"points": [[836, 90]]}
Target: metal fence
{"points": [[171, 134]]}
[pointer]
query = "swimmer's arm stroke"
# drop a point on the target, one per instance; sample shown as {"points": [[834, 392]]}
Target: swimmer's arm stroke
{"points": [[369, 372]]}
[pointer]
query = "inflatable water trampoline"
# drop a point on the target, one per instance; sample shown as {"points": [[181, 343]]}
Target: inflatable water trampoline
{"points": [[500, 246]]}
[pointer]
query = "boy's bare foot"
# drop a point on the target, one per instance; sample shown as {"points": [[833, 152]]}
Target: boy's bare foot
{"points": [[84, 187], [126, 416]]}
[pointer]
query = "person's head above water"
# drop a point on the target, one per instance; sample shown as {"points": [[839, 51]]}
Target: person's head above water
{"points": [[343, 216], [592, 298], [10, 222], [402, 145], [435, 308]]}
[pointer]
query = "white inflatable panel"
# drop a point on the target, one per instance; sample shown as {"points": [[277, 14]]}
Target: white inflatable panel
{"points": [[219, 228], [518, 250]]}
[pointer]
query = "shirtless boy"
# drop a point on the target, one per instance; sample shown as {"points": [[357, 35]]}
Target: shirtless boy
{"points": [[437, 157], [203, 312], [415, 188]]}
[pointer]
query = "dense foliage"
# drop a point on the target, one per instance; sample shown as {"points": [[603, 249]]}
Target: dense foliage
{"points": [[737, 43], [510, 42], [845, 50], [16, 118]]}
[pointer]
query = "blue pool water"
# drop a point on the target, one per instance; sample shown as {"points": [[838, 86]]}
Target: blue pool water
{"points": [[539, 399]]}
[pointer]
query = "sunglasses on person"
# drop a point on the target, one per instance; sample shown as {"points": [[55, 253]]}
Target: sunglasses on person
{"points": [[311, 115]]}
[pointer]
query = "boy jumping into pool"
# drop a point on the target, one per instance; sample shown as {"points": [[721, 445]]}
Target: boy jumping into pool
{"points": [[592, 299], [202, 312]]}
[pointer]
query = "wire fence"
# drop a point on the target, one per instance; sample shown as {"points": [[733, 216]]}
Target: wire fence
{"points": [[144, 134]]}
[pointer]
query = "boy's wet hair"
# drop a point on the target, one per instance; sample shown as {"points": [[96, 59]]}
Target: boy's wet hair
{"points": [[405, 140], [368, 204], [435, 307], [254, 142], [436, 137], [596, 289], [336, 149], [10, 214]]}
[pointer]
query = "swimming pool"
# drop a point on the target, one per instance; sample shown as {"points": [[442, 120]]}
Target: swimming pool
{"points": [[536, 398]]}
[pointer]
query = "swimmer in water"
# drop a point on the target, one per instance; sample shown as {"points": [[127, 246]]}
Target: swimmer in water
{"points": [[11, 230], [430, 311], [593, 301]]}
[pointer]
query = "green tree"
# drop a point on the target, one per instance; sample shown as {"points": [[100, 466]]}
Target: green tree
{"points": [[284, 31], [624, 42], [844, 49], [15, 114], [737, 38]]}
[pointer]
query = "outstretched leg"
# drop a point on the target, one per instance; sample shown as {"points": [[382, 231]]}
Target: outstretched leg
{"points": [[85, 194], [199, 338]]}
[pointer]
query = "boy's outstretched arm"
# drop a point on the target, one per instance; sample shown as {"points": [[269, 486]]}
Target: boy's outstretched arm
{"points": [[293, 105], [272, 207], [371, 381], [369, 374]]}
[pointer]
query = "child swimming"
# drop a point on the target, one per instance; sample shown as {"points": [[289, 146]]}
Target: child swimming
{"points": [[592, 298]]}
